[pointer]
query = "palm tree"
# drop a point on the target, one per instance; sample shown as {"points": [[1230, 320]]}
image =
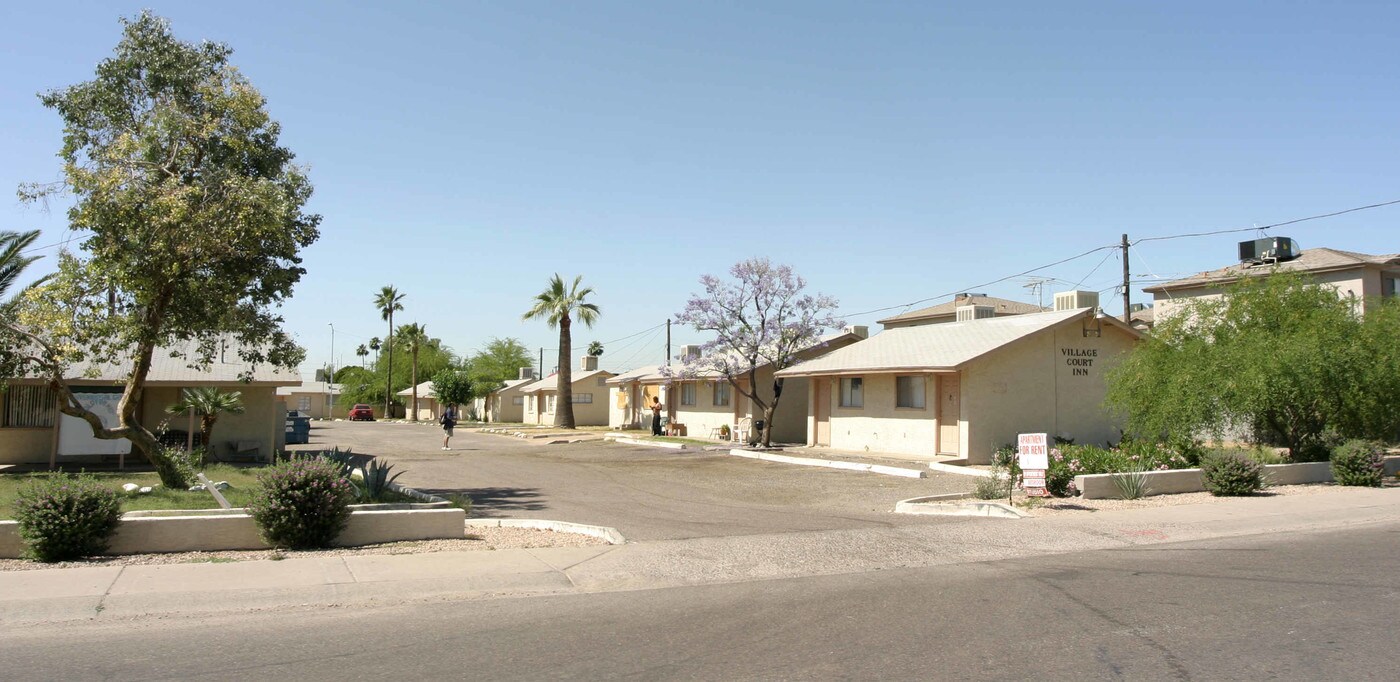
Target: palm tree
{"points": [[208, 402], [13, 262], [595, 349], [555, 304], [389, 300], [363, 352], [374, 346], [414, 336]]}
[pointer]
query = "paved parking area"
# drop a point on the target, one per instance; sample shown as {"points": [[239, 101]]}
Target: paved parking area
{"points": [[647, 493]]}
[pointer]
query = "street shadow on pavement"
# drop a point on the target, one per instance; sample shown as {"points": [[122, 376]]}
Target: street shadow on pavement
{"points": [[493, 502]]}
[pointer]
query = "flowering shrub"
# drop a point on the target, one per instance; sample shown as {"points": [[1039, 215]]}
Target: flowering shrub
{"points": [[1359, 462], [1068, 461], [66, 517], [301, 504]]}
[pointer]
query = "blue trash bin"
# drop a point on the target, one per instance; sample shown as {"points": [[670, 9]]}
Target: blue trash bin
{"points": [[298, 430]]}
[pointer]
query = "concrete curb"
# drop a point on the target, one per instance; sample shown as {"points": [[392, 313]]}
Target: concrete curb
{"points": [[831, 464], [937, 505], [959, 470], [624, 440], [1172, 481], [611, 535]]}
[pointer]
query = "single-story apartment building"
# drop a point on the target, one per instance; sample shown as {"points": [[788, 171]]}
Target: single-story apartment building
{"points": [[428, 406], [33, 431], [965, 388], [507, 403], [705, 401], [315, 399], [590, 392], [1365, 277], [982, 306]]}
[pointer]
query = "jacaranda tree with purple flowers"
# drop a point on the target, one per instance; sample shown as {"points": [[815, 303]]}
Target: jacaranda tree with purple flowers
{"points": [[759, 317]]}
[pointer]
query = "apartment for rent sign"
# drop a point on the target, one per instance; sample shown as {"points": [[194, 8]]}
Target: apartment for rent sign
{"points": [[1033, 454]]}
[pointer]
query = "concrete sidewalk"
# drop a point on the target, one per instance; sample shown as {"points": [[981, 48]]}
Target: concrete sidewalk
{"points": [[115, 592]]}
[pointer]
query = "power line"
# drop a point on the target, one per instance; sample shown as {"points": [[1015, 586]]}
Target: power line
{"points": [[984, 284], [1269, 227], [624, 365]]}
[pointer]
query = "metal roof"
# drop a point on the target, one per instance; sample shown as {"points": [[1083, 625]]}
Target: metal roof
{"points": [[168, 369], [1002, 306], [551, 382]]}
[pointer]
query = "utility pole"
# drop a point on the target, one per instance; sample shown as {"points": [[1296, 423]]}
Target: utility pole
{"points": [[668, 342], [1127, 284], [541, 376], [330, 380]]}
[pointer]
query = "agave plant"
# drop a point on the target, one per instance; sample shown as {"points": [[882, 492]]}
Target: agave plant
{"points": [[1132, 484], [343, 459], [377, 479]]}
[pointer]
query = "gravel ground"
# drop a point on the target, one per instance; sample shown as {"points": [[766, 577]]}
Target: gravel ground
{"points": [[476, 539], [1070, 505]]}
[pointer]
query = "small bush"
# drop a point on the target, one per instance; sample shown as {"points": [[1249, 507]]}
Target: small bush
{"points": [[301, 504], [177, 468], [1359, 462], [1232, 475], [992, 487], [66, 517]]}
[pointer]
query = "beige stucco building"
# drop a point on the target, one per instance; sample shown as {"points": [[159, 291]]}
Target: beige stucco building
{"points": [[590, 393], [983, 306], [316, 399], [964, 389], [706, 401], [428, 406], [33, 431], [507, 404], [1363, 276]]}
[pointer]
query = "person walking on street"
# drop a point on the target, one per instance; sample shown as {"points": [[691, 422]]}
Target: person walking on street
{"points": [[656, 415], [448, 420]]}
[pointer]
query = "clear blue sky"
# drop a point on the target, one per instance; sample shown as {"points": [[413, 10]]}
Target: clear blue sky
{"points": [[889, 152]]}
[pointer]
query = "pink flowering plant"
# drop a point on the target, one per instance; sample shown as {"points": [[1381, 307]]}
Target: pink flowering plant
{"points": [[302, 504], [759, 317], [64, 517], [1069, 460]]}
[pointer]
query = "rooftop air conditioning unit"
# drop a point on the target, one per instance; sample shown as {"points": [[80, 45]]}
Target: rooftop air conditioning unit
{"points": [[527, 372], [1073, 300], [689, 352], [1269, 250], [859, 330], [975, 312]]}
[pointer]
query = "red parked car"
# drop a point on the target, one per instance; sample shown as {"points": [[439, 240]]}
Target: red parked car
{"points": [[361, 412]]}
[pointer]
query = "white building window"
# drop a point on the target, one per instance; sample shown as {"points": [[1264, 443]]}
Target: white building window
{"points": [[582, 398], [1390, 286], [549, 404], [688, 393], [853, 392], [304, 403], [909, 392], [722, 393], [518, 400]]}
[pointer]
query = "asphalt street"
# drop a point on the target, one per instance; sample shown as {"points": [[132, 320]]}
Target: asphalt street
{"points": [[646, 493], [1303, 606]]}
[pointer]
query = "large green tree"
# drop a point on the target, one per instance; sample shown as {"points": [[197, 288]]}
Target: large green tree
{"points": [[557, 305], [497, 363], [387, 302], [194, 220], [453, 387], [1279, 359]]}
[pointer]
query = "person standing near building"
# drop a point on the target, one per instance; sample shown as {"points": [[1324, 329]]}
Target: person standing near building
{"points": [[655, 415], [448, 420]]}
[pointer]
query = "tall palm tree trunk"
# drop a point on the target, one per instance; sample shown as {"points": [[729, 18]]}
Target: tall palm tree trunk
{"points": [[415, 383], [389, 380], [564, 416]]}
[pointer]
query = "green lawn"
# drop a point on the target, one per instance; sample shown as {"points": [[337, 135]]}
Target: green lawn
{"points": [[241, 482]]}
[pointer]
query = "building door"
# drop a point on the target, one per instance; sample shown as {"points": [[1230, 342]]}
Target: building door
{"points": [[821, 410], [949, 411]]}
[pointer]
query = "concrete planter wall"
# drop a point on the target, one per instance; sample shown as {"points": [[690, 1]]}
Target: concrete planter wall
{"points": [[1100, 486], [217, 529]]}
